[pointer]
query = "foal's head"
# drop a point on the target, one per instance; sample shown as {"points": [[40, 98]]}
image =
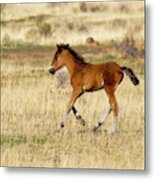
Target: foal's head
{"points": [[58, 59]]}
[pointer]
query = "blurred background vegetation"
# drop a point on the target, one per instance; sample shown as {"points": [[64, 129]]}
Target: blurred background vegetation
{"points": [[118, 25]]}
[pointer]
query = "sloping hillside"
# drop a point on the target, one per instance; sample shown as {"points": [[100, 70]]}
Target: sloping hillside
{"points": [[51, 23]]}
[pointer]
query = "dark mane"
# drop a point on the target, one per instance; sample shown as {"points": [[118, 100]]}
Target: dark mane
{"points": [[74, 53]]}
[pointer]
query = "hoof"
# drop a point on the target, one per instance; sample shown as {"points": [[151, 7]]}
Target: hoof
{"points": [[111, 132], [95, 128], [83, 122], [78, 117], [62, 125]]}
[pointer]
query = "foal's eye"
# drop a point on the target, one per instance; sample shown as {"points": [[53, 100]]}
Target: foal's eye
{"points": [[56, 57]]}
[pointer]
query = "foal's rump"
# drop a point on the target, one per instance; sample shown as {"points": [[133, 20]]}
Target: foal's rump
{"points": [[113, 73]]}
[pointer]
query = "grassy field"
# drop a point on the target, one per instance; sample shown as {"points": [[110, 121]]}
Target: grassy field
{"points": [[33, 102]]}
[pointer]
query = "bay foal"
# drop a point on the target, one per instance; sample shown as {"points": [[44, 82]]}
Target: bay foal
{"points": [[87, 77]]}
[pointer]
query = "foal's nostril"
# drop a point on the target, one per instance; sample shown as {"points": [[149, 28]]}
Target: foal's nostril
{"points": [[52, 71]]}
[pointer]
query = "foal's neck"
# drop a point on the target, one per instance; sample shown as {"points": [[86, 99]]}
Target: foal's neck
{"points": [[71, 64]]}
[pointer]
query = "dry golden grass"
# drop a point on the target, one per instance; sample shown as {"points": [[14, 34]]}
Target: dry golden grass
{"points": [[33, 102], [32, 106]]}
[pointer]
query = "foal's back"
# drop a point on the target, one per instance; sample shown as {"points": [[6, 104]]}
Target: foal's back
{"points": [[107, 70], [96, 76]]}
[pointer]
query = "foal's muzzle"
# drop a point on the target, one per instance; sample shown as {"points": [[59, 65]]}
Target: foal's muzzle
{"points": [[52, 71]]}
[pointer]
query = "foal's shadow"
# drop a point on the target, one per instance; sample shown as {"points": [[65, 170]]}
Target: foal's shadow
{"points": [[103, 131], [89, 130], [83, 131], [99, 131]]}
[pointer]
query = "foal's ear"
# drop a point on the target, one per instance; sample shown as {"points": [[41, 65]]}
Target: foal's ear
{"points": [[59, 47], [67, 45]]}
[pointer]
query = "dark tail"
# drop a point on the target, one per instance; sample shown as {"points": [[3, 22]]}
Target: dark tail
{"points": [[131, 75]]}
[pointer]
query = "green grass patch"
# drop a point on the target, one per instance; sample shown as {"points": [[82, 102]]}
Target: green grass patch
{"points": [[39, 140], [22, 139], [22, 46], [101, 60], [13, 140]]}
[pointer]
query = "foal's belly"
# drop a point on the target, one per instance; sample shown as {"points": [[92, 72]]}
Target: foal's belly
{"points": [[93, 89], [93, 85]]}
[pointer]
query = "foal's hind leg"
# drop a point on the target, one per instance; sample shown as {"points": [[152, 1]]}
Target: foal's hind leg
{"points": [[78, 116], [101, 121], [114, 106]]}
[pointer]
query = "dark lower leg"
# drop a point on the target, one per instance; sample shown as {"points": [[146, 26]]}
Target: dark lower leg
{"points": [[78, 116]]}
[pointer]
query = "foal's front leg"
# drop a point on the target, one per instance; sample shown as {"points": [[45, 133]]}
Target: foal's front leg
{"points": [[75, 94]]}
